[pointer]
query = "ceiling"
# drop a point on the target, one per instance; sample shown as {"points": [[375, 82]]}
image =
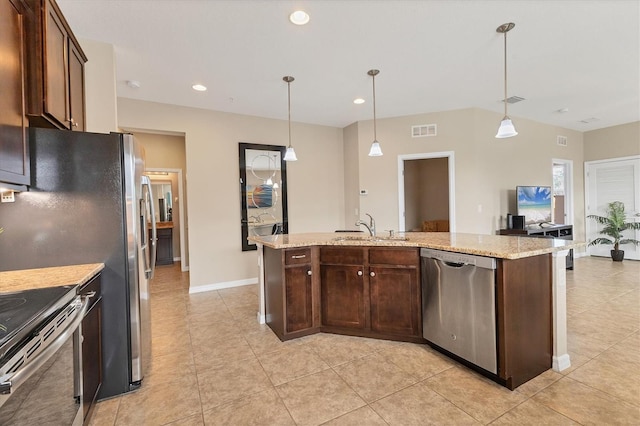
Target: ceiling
{"points": [[578, 56]]}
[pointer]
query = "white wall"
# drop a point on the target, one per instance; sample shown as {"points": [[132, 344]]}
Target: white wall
{"points": [[316, 180], [100, 87], [612, 142], [487, 170]]}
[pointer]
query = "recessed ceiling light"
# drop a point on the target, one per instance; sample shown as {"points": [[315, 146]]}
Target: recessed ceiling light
{"points": [[358, 101], [563, 110], [134, 84], [299, 17], [199, 87]]}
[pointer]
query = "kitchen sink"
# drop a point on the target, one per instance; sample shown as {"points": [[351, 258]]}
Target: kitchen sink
{"points": [[369, 238]]}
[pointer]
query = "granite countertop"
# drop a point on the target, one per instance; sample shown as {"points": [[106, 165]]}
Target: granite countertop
{"points": [[48, 277], [498, 246]]}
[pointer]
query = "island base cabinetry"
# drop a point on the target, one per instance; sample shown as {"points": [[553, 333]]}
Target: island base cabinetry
{"points": [[371, 291], [360, 291], [291, 292], [524, 304], [342, 290]]}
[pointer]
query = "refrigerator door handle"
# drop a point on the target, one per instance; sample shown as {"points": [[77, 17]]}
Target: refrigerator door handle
{"points": [[150, 259]]}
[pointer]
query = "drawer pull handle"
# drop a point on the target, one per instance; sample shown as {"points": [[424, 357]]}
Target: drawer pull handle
{"points": [[373, 274], [298, 256], [309, 272], [359, 273]]}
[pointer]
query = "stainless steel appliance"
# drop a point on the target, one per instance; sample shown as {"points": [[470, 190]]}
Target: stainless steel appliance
{"points": [[90, 202], [459, 305], [40, 356]]}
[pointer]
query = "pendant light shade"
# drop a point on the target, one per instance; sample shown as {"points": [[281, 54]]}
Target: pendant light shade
{"points": [[506, 129], [375, 150], [290, 154]]}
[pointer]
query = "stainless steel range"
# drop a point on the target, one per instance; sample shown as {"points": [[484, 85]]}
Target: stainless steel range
{"points": [[40, 357]]}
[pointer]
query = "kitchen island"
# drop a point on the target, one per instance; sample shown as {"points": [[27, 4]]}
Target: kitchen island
{"points": [[355, 284]]}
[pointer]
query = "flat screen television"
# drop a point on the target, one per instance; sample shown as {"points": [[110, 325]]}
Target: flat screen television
{"points": [[534, 203]]}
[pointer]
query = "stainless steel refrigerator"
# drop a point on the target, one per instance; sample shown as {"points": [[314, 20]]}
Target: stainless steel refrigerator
{"points": [[90, 202]]}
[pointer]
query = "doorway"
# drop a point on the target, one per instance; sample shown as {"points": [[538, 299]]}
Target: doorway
{"points": [[426, 191], [562, 192], [173, 197], [616, 179]]}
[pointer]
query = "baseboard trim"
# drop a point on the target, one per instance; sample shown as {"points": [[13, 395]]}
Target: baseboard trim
{"points": [[223, 285], [561, 362]]}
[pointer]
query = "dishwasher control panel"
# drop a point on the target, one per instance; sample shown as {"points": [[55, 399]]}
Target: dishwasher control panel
{"points": [[459, 258]]}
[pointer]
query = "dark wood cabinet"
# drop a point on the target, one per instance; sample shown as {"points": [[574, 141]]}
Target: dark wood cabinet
{"points": [[563, 232], [291, 292], [164, 246], [395, 291], [56, 70], [524, 317], [91, 346], [298, 298], [372, 289], [343, 297], [14, 148]]}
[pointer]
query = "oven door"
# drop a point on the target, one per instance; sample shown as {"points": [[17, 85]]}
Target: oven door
{"points": [[41, 382]]}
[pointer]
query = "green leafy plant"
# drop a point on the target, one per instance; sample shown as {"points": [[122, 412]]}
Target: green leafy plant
{"points": [[614, 224]]}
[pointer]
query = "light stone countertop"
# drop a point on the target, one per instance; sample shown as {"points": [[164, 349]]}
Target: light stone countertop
{"points": [[498, 246], [48, 277]]}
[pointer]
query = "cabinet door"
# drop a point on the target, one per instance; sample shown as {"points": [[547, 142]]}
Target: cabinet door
{"points": [[164, 246], [56, 87], [395, 300], [14, 152], [343, 296], [298, 289], [91, 355], [76, 89]]}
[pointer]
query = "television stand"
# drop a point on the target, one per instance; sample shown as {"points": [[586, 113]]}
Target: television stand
{"points": [[563, 232]]}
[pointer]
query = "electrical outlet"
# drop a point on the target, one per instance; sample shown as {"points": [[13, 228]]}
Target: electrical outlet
{"points": [[8, 197]]}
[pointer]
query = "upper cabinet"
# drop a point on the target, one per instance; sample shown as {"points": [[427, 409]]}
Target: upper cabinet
{"points": [[14, 149], [56, 70]]}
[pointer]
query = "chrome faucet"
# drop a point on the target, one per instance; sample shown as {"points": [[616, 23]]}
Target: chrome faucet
{"points": [[371, 227]]}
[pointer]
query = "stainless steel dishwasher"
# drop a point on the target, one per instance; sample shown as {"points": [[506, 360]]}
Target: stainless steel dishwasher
{"points": [[459, 305]]}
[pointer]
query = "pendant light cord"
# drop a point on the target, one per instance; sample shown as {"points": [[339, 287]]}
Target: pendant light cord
{"points": [[505, 74], [289, 106], [375, 136]]}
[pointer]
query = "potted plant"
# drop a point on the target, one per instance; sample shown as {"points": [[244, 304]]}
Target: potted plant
{"points": [[614, 224]]}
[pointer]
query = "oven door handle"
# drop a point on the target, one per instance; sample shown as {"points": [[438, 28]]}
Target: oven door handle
{"points": [[15, 380]]}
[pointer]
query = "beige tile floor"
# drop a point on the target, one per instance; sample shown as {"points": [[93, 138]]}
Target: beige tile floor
{"points": [[214, 365]]}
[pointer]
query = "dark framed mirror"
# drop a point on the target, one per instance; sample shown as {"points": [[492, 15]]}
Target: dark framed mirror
{"points": [[263, 191]]}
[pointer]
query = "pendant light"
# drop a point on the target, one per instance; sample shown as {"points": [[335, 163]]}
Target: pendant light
{"points": [[290, 155], [506, 129], [375, 150]]}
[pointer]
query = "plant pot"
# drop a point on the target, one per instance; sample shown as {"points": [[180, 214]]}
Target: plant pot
{"points": [[617, 255]]}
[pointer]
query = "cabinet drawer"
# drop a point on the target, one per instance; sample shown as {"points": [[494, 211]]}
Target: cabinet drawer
{"points": [[297, 256], [394, 256], [342, 256]]}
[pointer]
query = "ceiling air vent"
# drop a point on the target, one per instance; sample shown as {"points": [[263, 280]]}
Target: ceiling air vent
{"points": [[514, 99], [589, 120], [562, 140], [424, 130]]}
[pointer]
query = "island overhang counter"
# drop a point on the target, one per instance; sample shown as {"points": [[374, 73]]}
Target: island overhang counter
{"points": [[530, 281]]}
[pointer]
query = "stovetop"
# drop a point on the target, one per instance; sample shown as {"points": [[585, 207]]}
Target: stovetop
{"points": [[21, 312]]}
